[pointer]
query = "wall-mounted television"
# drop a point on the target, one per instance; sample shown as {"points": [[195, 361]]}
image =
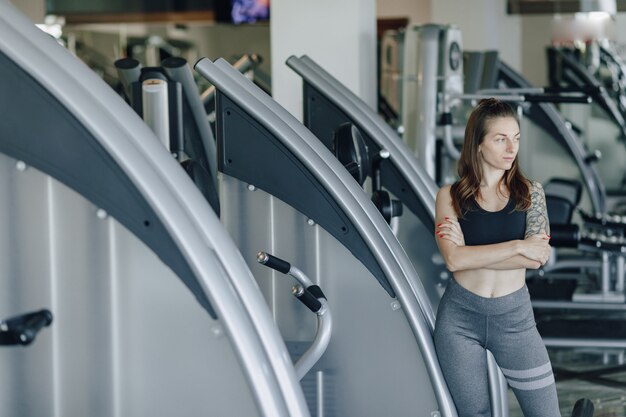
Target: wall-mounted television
{"points": [[80, 11], [223, 11], [242, 11]]}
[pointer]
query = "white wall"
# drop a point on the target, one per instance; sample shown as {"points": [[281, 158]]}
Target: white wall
{"points": [[418, 11], [338, 35], [33, 9], [485, 25], [536, 31]]}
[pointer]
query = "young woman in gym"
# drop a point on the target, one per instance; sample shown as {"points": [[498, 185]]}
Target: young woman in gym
{"points": [[492, 226]]}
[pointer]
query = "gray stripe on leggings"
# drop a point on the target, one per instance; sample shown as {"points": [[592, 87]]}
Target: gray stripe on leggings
{"points": [[528, 373], [532, 385]]}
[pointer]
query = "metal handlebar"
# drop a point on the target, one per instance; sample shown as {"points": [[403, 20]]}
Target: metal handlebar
{"points": [[314, 299]]}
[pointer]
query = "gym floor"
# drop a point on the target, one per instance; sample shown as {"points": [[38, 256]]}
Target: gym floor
{"points": [[599, 375]]}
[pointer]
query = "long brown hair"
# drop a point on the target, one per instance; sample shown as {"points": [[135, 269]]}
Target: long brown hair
{"points": [[469, 167]]}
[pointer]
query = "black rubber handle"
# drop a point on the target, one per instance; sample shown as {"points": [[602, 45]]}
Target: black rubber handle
{"points": [[564, 235], [307, 299], [273, 262], [553, 98], [126, 63], [23, 329], [583, 408], [317, 292], [561, 90]]}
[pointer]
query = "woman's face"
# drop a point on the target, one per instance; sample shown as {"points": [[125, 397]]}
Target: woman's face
{"points": [[501, 143]]}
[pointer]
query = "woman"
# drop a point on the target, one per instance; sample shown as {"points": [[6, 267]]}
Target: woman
{"points": [[492, 226]]}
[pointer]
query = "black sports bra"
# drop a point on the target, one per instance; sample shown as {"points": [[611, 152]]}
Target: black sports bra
{"points": [[482, 227]]}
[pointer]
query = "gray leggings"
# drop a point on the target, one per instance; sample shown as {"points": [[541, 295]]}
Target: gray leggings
{"points": [[467, 325]]}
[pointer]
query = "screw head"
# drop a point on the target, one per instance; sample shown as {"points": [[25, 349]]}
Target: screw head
{"points": [[20, 166]]}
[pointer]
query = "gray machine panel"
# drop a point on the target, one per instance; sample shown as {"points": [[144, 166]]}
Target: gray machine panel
{"points": [[252, 154], [323, 117]]}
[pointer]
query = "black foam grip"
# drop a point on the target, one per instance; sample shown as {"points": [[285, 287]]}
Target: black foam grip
{"points": [[23, 329], [446, 119], [564, 235], [550, 98], [560, 90], [317, 292], [310, 301], [126, 63], [277, 264], [583, 408]]}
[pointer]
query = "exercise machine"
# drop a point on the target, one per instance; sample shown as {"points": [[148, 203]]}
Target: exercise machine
{"points": [[155, 310], [282, 189]]}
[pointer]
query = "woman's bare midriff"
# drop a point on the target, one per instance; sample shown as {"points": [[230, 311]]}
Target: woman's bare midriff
{"points": [[491, 283]]}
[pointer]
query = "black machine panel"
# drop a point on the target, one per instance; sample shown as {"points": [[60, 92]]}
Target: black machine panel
{"points": [[322, 117], [37, 129], [249, 152]]}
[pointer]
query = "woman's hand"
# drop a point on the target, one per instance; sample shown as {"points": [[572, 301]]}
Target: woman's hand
{"points": [[450, 230], [536, 247]]}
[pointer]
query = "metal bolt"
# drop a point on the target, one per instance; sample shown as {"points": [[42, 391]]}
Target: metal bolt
{"points": [[251, 187], [310, 222], [435, 414], [217, 330], [297, 290], [101, 214], [262, 257], [20, 166], [443, 275], [395, 305]]}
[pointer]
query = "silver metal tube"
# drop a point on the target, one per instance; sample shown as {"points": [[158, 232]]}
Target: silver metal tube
{"points": [[320, 343], [319, 376], [501, 97], [394, 224], [458, 132], [494, 387], [243, 65], [448, 141], [156, 109], [246, 63], [300, 277], [178, 70], [619, 279], [518, 91], [572, 263], [606, 273], [504, 393], [574, 342], [128, 74]]}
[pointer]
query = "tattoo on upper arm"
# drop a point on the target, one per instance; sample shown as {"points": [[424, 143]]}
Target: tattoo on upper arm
{"points": [[537, 214]]}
